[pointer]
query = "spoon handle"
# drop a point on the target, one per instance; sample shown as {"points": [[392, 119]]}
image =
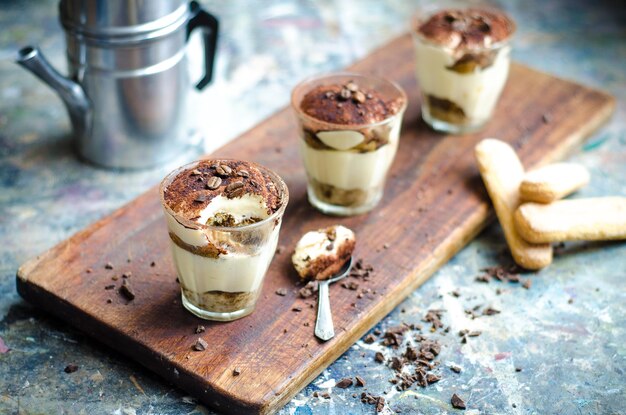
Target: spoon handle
{"points": [[324, 329]]}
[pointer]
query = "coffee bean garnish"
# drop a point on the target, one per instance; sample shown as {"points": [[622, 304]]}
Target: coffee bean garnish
{"points": [[359, 97], [223, 170], [352, 87], [213, 183], [345, 94], [236, 193], [243, 173], [201, 198], [234, 186]]}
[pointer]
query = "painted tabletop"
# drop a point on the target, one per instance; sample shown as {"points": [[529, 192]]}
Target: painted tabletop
{"points": [[558, 347]]}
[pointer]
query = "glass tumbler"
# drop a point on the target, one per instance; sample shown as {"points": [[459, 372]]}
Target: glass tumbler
{"points": [[221, 269], [347, 164], [460, 86]]}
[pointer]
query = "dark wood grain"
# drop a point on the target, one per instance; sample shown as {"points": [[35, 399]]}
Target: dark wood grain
{"points": [[434, 204]]}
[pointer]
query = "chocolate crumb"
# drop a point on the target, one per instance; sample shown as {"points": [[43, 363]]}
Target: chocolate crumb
{"points": [[236, 371], [108, 266], [127, 291], [455, 368], [71, 368], [379, 357], [200, 345], [527, 283], [89, 270], [489, 311], [109, 301], [325, 395], [308, 290], [127, 274], [153, 264], [518, 369], [457, 402], [109, 287], [297, 309], [546, 118], [359, 381], [344, 383], [200, 329], [570, 301], [281, 291], [369, 339]]}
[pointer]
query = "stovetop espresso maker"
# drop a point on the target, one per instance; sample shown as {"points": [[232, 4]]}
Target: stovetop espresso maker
{"points": [[128, 87]]}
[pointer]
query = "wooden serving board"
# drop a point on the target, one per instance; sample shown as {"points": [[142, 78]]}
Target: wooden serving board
{"points": [[434, 204]]}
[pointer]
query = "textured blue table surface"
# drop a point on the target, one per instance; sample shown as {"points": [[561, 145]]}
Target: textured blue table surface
{"points": [[567, 332]]}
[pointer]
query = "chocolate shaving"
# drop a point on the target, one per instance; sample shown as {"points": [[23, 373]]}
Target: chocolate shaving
{"points": [[457, 402], [71, 368], [200, 345], [127, 291], [344, 383]]}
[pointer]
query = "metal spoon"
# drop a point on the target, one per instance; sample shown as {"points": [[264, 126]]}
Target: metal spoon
{"points": [[324, 329]]}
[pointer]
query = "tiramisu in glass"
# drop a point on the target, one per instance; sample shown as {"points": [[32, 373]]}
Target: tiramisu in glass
{"points": [[223, 218], [350, 127], [462, 63]]}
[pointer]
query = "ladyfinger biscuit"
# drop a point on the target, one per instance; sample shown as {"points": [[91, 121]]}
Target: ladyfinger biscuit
{"points": [[593, 219], [502, 173], [553, 182]]}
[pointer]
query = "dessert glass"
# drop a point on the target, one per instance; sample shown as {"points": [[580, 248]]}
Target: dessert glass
{"points": [[220, 268], [461, 85], [347, 169]]}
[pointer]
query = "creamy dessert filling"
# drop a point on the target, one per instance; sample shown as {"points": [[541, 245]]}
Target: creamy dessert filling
{"points": [[320, 254], [462, 63], [349, 139], [219, 258]]}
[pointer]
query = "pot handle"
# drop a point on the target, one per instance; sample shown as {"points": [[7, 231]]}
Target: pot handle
{"points": [[210, 27]]}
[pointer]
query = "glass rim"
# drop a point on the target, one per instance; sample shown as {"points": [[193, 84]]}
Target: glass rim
{"points": [[190, 224], [302, 84], [423, 14]]}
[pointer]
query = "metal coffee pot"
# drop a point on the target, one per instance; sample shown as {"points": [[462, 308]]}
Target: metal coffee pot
{"points": [[128, 87]]}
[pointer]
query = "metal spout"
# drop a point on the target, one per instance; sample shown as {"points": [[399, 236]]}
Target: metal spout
{"points": [[72, 94]]}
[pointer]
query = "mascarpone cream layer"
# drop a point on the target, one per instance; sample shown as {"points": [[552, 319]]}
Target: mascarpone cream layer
{"points": [[476, 93], [313, 245], [233, 271], [351, 169]]}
